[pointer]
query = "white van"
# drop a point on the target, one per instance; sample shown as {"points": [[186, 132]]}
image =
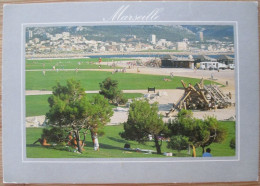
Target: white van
{"points": [[231, 66], [222, 66], [209, 65]]}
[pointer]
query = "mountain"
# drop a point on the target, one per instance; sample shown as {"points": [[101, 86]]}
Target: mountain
{"points": [[218, 32], [115, 33]]}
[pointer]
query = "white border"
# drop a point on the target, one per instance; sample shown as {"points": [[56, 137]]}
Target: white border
{"points": [[244, 169]]}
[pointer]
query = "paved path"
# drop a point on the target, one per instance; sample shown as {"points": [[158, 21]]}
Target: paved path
{"points": [[46, 92]]}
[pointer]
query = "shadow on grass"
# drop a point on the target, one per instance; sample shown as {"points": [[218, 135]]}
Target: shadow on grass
{"points": [[87, 144], [106, 146], [118, 140], [33, 145], [56, 147]]}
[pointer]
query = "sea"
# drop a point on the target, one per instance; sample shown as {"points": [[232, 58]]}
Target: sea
{"points": [[150, 56]]}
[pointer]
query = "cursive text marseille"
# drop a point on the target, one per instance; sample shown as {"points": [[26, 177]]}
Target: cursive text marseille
{"points": [[120, 15]]}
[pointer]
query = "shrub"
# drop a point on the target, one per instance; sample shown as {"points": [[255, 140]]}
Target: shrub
{"points": [[56, 135], [178, 143], [232, 143], [109, 88]]}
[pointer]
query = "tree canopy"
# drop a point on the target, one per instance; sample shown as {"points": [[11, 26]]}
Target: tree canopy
{"points": [[70, 108], [200, 133], [109, 88], [143, 120]]}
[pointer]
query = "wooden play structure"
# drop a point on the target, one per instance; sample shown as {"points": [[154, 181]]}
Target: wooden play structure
{"points": [[201, 97]]}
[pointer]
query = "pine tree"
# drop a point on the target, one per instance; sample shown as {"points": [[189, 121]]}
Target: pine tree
{"points": [[70, 108], [143, 120]]}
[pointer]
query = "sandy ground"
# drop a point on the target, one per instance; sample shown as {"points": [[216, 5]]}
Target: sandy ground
{"points": [[165, 98]]}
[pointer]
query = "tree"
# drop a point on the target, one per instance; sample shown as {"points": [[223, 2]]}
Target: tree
{"points": [[215, 133], [109, 88], [143, 120], [200, 133], [69, 108], [185, 125], [178, 143], [99, 114]]}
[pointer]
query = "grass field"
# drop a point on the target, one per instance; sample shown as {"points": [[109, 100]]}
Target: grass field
{"points": [[37, 105], [90, 80], [85, 63], [111, 146]]}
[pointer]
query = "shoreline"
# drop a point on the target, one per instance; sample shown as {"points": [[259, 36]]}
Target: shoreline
{"points": [[88, 55]]}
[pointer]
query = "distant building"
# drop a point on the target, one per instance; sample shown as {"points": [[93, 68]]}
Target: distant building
{"points": [[30, 34], [170, 61], [202, 58], [200, 36], [226, 60], [210, 48], [65, 35], [162, 42], [152, 38], [182, 46], [185, 40]]}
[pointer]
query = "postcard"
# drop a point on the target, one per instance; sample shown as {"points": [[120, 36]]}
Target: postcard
{"points": [[130, 92]]}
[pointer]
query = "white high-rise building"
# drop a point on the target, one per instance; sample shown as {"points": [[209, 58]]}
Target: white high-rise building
{"points": [[30, 34], [152, 38]]}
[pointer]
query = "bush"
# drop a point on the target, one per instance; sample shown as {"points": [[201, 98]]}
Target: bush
{"points": [[56, 135], [178, 143], [120, 99], [232, 143], [109, 88]]}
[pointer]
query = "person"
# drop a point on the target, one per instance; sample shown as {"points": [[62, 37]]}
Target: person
{"points": [[207, 153]]}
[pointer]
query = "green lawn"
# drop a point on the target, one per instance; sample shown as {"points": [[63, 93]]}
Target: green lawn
{"points": [[37, 105], [90, 80], [111, 146], [85, 63]]}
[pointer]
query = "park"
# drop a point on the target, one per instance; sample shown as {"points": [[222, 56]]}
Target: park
{"points": [[133, 81]]}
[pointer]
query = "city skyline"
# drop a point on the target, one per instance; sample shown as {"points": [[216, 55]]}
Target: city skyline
{"points": [[105, 39]]}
